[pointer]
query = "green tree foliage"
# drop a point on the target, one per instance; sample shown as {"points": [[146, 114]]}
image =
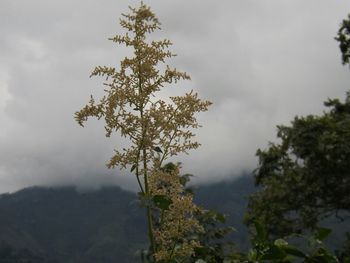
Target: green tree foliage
{"points": [[344, 252], [214, 245], [156, 128], [304, 178], [280, 250], [343, 37]]}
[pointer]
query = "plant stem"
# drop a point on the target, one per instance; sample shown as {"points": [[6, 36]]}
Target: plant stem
{"points": [[145, 171], [138, 172]]}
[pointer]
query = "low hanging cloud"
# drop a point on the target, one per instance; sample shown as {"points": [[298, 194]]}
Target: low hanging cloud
{"points": [[261, 63]]}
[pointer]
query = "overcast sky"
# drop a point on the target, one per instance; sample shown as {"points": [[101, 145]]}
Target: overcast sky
{"points": [[260, 62]]}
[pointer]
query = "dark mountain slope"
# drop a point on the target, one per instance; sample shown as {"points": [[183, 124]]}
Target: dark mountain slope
{"points": [[231, 199], [73, 227], [62, 225]]}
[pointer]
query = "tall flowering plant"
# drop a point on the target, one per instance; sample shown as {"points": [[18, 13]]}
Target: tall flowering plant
{"points": [[157, 129]]}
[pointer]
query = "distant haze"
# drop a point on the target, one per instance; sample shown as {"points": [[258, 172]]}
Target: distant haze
{"points": [[260, 63]]}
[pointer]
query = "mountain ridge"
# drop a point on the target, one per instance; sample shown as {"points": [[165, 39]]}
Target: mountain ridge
{"points": [[65, 225]]}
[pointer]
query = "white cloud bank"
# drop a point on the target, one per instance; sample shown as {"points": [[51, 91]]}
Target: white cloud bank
{"points": [[260, 62]]}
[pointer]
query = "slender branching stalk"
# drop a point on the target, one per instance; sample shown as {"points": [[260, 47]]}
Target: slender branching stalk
{"points": [[156, 129]]}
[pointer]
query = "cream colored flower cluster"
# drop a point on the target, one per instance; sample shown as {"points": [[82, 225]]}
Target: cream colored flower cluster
{"points": [[175, 234], [156, 129]]}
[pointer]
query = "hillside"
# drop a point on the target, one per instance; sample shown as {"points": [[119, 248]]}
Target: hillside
{"points": [[73, 227], [54, 225]]}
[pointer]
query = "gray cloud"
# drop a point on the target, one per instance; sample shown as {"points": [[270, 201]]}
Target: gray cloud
{"points": [[260, 62]]}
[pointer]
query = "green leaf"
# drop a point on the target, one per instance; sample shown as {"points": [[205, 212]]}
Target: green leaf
{"points": [[322, 233], [157, 149], [162, 202], [260, 231], [323, 258], [280, 242], [133, 167], [184, 179], [252, 255], [294, 251], [220, 217], [202, 250], [274, 252]]}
